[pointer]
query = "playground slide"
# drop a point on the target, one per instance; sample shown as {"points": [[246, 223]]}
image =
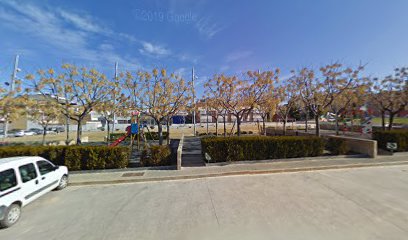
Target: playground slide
{"points": [[119, 140]]}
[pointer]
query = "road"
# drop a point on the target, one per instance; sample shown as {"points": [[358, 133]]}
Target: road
{"points": [[367, 203]]}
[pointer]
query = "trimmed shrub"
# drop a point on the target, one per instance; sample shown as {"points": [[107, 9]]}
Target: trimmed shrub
{"points": [[74, 157], [222, 149], [337, 146], [155, 135], [115, 136], [149, 136], [398, 136], [157, 155]]}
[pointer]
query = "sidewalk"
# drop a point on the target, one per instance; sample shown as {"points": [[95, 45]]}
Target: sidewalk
{"points": [[262, 167]]}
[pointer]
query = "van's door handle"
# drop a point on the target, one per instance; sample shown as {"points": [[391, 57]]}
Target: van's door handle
{"points": [[36, 181], [42, 178]]}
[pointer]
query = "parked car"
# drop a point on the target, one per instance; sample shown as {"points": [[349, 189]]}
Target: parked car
{"points": [[17, 133], [37, 131], [29, 133], [60, 129], [57, 129], [24, 179]]}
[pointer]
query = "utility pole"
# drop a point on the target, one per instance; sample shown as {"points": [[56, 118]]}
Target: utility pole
{"points": [[14, 75], [194, 113], [13, 78], [114, 115]]}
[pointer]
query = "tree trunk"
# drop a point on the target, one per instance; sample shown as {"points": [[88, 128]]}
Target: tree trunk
{"points": [[44, 133], [108, 132], [6, 126], [391, 121], [67, 126], [206, 111], [113, 123], [337, 124], [225, 126], [168, 131], [160, 132], [317, 125], [352, 125], [285, 120], [307, 118], [79, 132], [383, 120], [264, 125], [216, 124], [238, 126]]}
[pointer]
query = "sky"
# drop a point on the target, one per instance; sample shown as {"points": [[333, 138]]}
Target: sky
{"points": [[213, 36]]}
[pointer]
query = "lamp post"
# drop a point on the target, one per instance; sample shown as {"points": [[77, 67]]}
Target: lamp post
{"points": [[13, 78]]}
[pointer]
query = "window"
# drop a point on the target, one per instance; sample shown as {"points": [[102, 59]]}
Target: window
{"points": [[7, 179], [123, 121], [45, 167], [27, 172]]}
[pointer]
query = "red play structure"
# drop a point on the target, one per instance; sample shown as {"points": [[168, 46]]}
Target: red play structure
{"points": [[119, 140], [133, 128]]}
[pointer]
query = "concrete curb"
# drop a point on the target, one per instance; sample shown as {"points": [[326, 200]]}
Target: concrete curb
{"points": [[236, 173], [302, 159], [119, 170]]}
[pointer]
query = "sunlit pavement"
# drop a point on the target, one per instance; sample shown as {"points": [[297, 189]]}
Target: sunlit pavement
{"points": [[365, 203]]}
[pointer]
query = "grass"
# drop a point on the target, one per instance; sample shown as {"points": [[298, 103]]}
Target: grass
{"points": [[98, 136], [397, 120]]}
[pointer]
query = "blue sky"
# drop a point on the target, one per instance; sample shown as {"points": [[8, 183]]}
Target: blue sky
{"points": [[214, 36]]}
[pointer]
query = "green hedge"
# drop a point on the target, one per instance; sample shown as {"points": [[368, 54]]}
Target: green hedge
{"points": [[222, 149], [337, 146], [221, 133], [149, 136], [398, 136], [74, 157], [156, 156]]}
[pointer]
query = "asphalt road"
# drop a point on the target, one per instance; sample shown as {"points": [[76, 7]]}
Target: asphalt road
{"points": [[369, 203]]}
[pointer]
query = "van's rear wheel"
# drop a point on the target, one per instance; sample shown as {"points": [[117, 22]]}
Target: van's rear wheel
{"points": [[63, 182], [11, 216]]}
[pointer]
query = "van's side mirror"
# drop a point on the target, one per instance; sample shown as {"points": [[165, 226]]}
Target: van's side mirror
{"points": [[56, 167]]}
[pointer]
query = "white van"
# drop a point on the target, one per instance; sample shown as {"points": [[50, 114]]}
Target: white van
{"points": [[24, 179]]}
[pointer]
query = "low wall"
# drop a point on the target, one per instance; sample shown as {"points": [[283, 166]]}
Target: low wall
{"points": [[180, 152], [359, 145]]}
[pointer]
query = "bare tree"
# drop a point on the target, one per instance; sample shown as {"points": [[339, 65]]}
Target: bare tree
{"points": [[390, 95], [355, 95], [11, 106], [240, 96], [43, 112], [158, 95], [319, 91], [77, 91], [115, 104], [288, 97], [267, 108], [215, 96]]}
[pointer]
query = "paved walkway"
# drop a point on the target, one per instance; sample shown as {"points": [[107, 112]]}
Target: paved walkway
{"points": [[358, 204], [192, 152], [288, 165]]}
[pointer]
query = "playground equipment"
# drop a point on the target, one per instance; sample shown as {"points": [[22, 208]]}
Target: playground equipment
{"points": [[121, 139], [132, 131]]}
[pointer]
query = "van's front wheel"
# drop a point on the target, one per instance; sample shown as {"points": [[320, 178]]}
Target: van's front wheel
{"points": [[11, 215], [63, 182]]}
